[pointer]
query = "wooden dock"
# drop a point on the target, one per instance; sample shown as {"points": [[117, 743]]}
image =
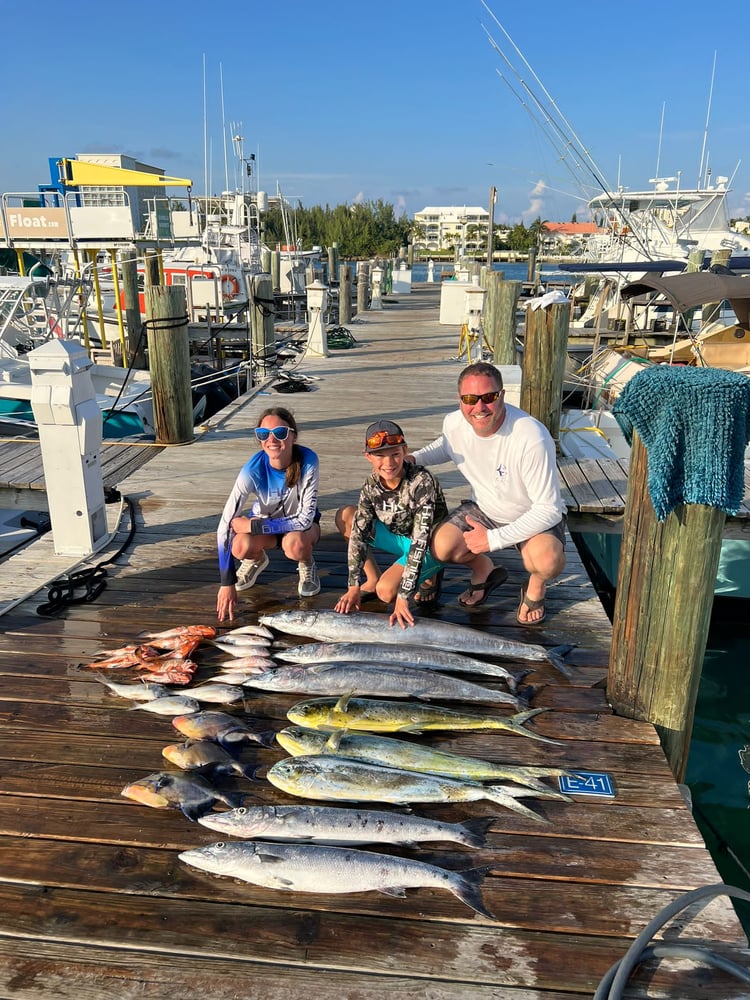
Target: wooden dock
{"points": [[94, 901]]}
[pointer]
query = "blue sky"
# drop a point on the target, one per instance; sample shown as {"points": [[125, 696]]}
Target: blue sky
{"points": [[399, 101]]}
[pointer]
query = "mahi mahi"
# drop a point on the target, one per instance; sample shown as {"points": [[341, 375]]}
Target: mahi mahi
{"points": [[334, 825], [358, 626], [334, 778], [411, 756], [387, 680], [407, 656], [310, 868], [376, 716]]}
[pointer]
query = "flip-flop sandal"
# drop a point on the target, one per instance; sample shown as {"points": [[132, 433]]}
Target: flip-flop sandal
{"points": [[429, 590], [532, 606], [497, 577]]}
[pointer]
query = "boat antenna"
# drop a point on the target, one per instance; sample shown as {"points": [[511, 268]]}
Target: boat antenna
{"points": [[661, 133], [224, 129], [205, 135], [705, 129]]}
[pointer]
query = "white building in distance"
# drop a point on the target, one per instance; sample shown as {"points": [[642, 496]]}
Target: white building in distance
{"points": [[452, 226]]}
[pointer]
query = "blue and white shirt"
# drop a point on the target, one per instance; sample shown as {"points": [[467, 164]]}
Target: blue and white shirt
{"points": [[279, 508]]}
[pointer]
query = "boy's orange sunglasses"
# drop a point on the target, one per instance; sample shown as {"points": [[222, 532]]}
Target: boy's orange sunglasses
{"points": [[384, 440]]}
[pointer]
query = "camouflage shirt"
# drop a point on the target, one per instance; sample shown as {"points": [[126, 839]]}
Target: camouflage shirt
{"points": [[413, 508]]}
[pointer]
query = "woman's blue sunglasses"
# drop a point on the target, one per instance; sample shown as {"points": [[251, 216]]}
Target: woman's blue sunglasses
{"points": [[280, 433]]}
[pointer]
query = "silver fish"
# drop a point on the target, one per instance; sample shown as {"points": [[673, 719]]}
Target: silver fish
{"points": [[190, 793], [229, 730], [407, 656], [172, 704], [138, 691], [389, 681], [236, 678], [242, 645], [376, 716], [250, 630], [256, 663], [215, 693], [310, 868], [341, 778], [412, 756], [333, 825], [197, 755], [361, 626]]}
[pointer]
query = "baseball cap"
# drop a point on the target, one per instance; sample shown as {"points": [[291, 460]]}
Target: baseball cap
{"points": [[382, 434]]}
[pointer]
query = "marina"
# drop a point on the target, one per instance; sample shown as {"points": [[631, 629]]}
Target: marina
{"points": [[95, 900]]}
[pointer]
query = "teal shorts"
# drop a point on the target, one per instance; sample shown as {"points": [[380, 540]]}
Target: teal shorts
{"points": [[399, 545]]}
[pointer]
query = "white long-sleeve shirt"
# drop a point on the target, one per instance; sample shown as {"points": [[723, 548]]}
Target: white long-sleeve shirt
{"points": [[512, 474]]}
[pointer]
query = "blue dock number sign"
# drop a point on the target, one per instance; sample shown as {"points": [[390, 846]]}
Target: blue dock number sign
{"points": [[587, 783]]}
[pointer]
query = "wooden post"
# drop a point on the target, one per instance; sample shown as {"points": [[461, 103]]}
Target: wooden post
{"points": [[262, 322], [544, 355], [276, 271], [151, 269], [169, 361], [363, 287], [333, 263], [531, 265], [665, 592], [507, 294], [345, 294], [265, 261], [136, 346]]}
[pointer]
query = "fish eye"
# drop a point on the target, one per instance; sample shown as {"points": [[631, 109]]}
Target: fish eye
{"points": [[241, 811], [220, 846]]}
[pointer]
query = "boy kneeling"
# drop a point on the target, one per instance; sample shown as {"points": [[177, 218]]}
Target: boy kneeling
{"points": [[399, 505]]}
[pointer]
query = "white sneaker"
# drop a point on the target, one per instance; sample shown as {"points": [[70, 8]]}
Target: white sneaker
{"points": [[248, 572], [309, 583]]}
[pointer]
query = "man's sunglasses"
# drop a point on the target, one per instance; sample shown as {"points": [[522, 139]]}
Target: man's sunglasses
{"points": [[471, 398], [384, 440], [280, 433]]}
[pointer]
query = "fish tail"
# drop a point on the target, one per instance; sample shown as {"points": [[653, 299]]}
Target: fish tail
{"points": [[516, 724], [513, 680], [468, 887], [500, 794], [266, 739], [555, 656], [474, 831]]}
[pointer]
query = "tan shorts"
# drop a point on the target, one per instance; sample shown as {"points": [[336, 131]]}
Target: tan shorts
{"points": [[468, 507]]}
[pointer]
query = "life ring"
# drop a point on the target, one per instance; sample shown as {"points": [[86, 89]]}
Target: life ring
{"points": [[230, 287]]}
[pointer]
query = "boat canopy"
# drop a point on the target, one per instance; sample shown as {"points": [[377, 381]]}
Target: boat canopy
{"points": [[640, 266], [696, 288]]}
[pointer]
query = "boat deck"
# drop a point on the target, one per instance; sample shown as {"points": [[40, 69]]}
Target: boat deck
{"points": [[94, 901]]}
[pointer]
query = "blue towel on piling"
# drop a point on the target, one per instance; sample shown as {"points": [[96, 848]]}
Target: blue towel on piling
{"points": [[695, 425]]}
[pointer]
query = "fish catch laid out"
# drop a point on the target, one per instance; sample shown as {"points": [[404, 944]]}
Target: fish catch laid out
{"points": [[376, 716], [410, 756], [341, 778], [359, 626], [190, 793], [206, 756], [407, 656], [261, 630], [326, 870], [342, 827], [228, 730], [388, 680], [171, 671]]}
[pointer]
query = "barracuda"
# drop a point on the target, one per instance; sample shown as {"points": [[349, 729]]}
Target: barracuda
{"points": [[334, 825], [330, 626]]}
